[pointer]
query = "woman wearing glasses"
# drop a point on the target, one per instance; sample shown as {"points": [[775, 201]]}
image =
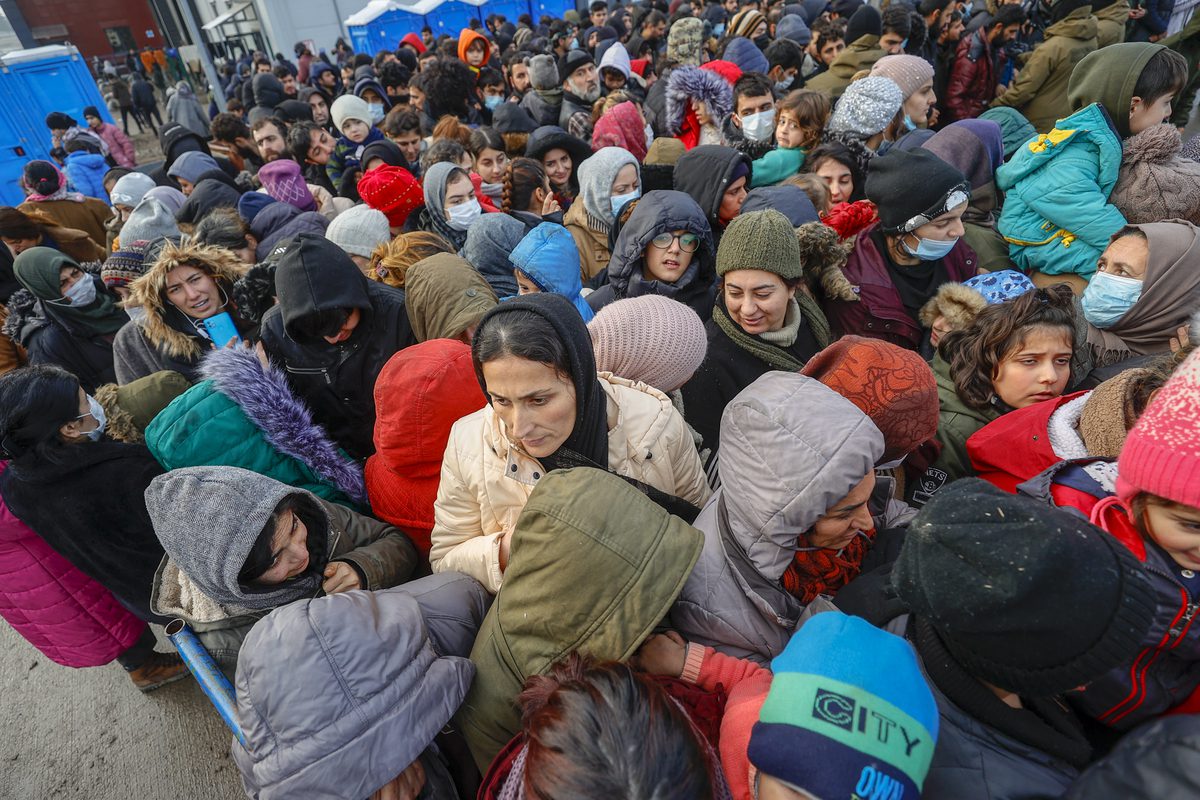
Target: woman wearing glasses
{"points": [[665, 248], [763, 319]]}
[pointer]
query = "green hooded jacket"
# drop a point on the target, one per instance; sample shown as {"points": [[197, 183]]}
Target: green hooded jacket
{"points": [[859, 55], [1040, 90], [578, 524]]}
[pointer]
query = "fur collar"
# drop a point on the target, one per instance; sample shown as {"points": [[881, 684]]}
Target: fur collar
{"points": [[692, 83], [286, 423]]}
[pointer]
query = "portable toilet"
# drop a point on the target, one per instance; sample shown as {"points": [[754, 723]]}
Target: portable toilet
{"points": [[451, 16], [509, 9], [555, 8], [383, 23], [32, 84]]}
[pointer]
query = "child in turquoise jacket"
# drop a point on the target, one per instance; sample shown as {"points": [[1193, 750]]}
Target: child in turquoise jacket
{"points": [[1056, 217]]}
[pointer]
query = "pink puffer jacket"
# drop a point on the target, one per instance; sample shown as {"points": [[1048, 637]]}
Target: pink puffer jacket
{"points": [[70, 618]]}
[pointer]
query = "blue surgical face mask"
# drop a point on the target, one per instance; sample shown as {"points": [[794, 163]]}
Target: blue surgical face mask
{"points": [[782, 86], [929, 249], [618, 201], [574, 44], [493, 101], [462, 215], [759, 127], [1107, 298], [376, 112], [908, 123], [96, 411], [904, 44], [718, 30], [80, 293]]}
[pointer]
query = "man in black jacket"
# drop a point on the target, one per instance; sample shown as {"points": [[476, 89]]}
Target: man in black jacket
{"points": [[332, 331]]}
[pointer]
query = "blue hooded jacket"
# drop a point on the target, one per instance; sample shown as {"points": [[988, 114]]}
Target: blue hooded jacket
{"points": [[1056, 216], [549, 257], [86, 171]]}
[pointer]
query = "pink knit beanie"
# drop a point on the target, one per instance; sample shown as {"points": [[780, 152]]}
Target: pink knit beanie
{"points": [[652, 339], [1162, 452], [283, 181], [908, 72]]}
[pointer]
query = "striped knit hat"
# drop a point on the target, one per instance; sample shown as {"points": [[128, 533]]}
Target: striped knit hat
{"points": [[125, 265]]}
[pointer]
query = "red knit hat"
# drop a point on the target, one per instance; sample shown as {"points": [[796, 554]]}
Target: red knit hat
{"points": [[392, 190], [891, 385], [1162, 453]]}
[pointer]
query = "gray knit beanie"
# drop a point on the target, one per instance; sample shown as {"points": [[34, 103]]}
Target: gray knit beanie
{"points": [[543, 73], [867, 107], [760, 240], [149, 220], [359, 230]]}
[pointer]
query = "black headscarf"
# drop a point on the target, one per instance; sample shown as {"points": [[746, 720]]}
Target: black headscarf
{"points": [[388, 151], [588, 441]]}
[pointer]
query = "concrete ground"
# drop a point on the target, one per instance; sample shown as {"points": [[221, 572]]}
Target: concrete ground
{"points": [[87, 734]]}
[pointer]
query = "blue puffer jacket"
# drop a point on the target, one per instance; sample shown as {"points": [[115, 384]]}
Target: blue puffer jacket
{"points": [[549, 256], [86, 171], [1056, 216]]}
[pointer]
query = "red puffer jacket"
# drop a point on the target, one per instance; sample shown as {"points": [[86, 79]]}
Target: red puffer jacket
{"points": [[70, 618], [1012, 449], [973, 77]]}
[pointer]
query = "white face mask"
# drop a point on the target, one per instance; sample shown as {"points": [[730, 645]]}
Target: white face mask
{"points": [[96, 411], [759, 127], [81, 293], [462, 215], [137, 314]]}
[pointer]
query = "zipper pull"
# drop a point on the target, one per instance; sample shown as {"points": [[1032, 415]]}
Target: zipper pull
{"points": [[1188, 613]]}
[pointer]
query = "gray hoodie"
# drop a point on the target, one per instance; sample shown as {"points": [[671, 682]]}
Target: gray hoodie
{"points": [[339, 694], [208, 519], [794, 448]]}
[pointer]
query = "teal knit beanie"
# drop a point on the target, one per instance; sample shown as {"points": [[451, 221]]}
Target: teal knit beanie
{"points": [[760, 240]]}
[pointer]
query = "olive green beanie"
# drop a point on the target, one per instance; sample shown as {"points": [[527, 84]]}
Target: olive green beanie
{"points": [[760, 240]]}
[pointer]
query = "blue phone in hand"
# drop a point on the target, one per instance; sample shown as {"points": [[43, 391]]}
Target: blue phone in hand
{"points": [[221, 329]]}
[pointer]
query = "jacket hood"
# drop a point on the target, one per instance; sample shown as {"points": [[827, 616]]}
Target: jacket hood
{"points": [[549, 256], [746, 55], [616, 57], [366, 724], [596, 176], [208, 519], [268, 402], [705, 172], [489, 241], [658, 212], [278, 221], [214, 190], [791, 201], [1108, 76], [444, 296], [621, 127], [686, 84], [164, 325], [175, 140], [467, 38], [560, 544], [317, 275], [268, 90], [791, 447], [92, 161]]}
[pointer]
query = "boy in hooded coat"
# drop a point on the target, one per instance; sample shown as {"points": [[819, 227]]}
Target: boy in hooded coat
{"points": [[1057, 218]]}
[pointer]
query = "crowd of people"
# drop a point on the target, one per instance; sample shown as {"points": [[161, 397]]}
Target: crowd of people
{"points": [[740, 400]]}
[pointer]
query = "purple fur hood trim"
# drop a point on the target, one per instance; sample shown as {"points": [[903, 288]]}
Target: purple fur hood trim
{"points": [[286, 423], [687, 83]]}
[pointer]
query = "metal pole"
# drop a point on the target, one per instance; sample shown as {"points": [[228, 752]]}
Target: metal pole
{"points": [[210, 71]]}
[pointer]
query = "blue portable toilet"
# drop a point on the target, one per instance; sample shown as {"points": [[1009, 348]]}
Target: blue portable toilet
{"points": [[555, 8], [511, 10], [32, 84], [383, 23], [450, 17]]}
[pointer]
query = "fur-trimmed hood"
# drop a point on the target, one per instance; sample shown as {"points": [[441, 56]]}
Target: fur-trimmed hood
{"points": [[164, 325], [692, 83], [286, 423], [956, 302]]}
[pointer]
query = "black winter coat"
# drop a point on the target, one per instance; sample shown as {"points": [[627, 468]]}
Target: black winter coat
{"points": [[337, 381], [727, 369], [91, 509], [50, 339]]}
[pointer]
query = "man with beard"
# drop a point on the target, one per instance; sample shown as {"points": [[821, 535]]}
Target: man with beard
{"points": [[581, 88], [270, 136], [516, 70], [231, 139]]}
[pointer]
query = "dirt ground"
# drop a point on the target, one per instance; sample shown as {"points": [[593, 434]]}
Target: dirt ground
{"points": [[87, 734]]}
